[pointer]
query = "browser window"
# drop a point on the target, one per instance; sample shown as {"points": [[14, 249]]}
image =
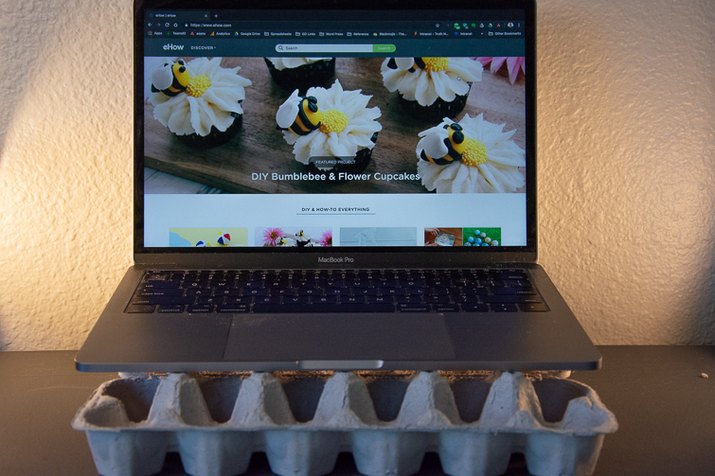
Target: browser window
{"points": [[331, 133]]}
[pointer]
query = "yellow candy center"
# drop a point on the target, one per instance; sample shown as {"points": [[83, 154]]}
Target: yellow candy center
{"points": [[198, 85], [333, 121], [436, 64], [474, 153]]}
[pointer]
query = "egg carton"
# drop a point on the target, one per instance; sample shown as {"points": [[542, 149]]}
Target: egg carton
{"points": [[303, 421]]}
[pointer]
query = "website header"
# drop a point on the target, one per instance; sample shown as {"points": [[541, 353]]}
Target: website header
{"points": [[278, 46]]}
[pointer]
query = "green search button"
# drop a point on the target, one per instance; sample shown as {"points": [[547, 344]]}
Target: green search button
{"points": [[389, 48]]}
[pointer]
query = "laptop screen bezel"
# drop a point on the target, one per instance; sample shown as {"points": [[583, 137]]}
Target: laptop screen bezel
{"points": [[337, 256]]}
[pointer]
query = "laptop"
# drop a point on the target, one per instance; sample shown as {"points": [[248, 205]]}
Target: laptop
{"points": [[378, 209]]}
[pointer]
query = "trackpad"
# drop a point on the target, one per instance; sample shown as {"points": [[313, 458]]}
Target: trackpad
{"points": [[306, 337]]}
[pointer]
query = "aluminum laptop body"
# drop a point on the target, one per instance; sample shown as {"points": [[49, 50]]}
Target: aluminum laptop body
{"points": [[378, 170]]}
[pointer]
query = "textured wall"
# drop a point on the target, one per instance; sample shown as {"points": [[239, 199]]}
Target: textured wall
{"points": [[627, 149]]}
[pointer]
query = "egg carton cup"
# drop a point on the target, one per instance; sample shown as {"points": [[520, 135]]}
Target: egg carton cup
{"points": [[303, 421]]}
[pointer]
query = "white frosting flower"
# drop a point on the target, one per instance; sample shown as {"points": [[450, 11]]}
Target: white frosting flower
{"points": [[426, 79], [490, 160], [290, 63], [346, 124], [210, 99]]}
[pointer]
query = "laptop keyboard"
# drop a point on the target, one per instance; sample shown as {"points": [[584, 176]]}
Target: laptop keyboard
{"points": [[320, 291]]}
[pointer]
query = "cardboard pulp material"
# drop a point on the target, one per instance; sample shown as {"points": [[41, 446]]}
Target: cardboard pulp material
{"points": [[302, 422]]}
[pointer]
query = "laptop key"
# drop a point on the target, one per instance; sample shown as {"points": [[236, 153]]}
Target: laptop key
{"points": [[170, 309], [469, 307], [161, 292], [151, 285], [199, 309], [410, 299], [321, 308], [325, 299], [514, 291], [503, 307], [231, 300], [170, 300], [353, 299], [447, 307], [232, 292], [140, 308], [439, 299], [511, 299], [409, 307], [469, 299], [269, 299], [533, 307], [237, 308], [379, 299]]}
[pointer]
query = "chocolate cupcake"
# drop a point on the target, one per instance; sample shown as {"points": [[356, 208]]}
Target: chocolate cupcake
{"points": [[204, 107], [431, 88], [331, 130], [301, 73]]}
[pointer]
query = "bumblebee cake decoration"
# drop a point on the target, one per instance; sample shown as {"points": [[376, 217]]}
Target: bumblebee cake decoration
{"points": [[443, 145], [170, 78], [303, 119]]}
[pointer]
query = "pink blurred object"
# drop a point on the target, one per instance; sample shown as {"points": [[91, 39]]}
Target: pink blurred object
{"points": [[513, 64], [327, 238], [271, 236]]}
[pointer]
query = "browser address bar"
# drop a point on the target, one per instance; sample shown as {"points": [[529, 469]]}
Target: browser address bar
{"points": [[337, 48]]}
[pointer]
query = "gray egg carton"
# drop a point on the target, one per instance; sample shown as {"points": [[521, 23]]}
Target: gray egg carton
{"points": [[387, 421]]}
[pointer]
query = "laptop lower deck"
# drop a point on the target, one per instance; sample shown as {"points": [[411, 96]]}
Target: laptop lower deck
{"points": [[401, 339]]}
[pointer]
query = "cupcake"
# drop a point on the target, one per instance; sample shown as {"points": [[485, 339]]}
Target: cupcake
{"points": [[331, 130], [431, 88], [301, 73], [199, 101], [302, 239], [471, 156], [285, 242], [512, 66]]}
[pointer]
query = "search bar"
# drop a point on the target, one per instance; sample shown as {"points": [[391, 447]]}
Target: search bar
{"points": [[346, 48]]}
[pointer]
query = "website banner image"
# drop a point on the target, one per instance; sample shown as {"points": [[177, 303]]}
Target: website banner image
{"points": [[338, 125]]}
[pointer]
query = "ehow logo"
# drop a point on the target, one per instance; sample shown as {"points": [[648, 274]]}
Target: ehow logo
{"points": [[173, 47]]}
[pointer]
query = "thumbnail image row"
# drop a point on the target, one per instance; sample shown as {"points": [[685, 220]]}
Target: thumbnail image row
{"points": [[324, 237]]}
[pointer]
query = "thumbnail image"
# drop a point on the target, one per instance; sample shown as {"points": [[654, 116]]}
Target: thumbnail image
{"points": [[443, 236], [371, 236], [335, 125], [481, 236], [294, 236], [208, 237]]}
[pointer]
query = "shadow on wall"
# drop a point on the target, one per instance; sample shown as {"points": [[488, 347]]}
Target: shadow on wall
{"points": [[704, 328], [3, 343], [29, 30]]}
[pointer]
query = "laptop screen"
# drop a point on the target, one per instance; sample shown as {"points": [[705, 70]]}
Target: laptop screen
{"points": [[339, 129]]}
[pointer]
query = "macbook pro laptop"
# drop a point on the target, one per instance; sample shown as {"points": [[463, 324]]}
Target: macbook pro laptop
{"points": [[377, 169]]}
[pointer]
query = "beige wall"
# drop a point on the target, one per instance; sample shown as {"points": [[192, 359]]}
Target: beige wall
{"points": [[626, 168]]}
